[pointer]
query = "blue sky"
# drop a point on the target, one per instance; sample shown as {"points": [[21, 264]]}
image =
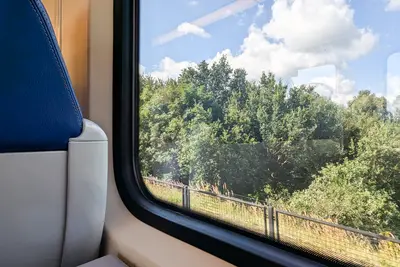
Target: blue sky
{"points": [[360, 38]]}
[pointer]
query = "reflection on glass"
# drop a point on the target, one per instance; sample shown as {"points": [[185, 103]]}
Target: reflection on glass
{"points": [[273, 116], [392, 93]]}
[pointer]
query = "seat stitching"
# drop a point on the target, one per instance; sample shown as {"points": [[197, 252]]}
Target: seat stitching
{"points": [[51, 43]]}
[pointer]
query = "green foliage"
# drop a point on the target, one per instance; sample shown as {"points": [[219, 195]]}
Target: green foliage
{"points": [[363, 192], [340, 193], [368, 103], [261, 138]]}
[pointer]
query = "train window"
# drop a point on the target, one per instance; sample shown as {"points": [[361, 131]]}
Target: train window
{"points": [[272, 119]]}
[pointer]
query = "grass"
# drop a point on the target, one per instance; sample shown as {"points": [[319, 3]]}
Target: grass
{"points": [[327, 240]]}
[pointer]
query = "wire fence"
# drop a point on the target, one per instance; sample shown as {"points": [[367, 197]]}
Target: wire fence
{"points": [[339, 241]]}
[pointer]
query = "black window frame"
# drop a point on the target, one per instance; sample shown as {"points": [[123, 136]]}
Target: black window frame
{"points": [[232, 244]]}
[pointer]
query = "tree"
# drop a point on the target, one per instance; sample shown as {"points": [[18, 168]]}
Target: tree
{"points": [[339, 194], [369, 104], [219, 80], [363, 192], [262, 138]]}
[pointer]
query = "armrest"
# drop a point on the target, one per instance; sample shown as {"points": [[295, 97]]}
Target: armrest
{"points": [[86, 195]]}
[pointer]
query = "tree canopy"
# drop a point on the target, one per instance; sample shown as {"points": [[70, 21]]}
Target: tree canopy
{"points": [[273, 142]]}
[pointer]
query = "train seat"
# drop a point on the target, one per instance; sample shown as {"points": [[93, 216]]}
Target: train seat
{"points": [[53, 163]]}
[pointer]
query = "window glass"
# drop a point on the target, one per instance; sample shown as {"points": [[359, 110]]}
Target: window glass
{"points": [[279, 117]]}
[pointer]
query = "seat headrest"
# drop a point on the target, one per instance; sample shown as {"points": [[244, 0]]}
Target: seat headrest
{"points": [[38, 107]]}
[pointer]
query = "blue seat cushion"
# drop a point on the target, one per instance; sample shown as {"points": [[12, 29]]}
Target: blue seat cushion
{"points": [[38, 107]]}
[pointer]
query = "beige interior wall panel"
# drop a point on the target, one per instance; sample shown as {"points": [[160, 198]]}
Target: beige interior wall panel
{"points": [[70, 23]]}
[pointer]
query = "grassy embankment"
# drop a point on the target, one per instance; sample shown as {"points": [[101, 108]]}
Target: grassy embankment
{"points": [[309, 235]]}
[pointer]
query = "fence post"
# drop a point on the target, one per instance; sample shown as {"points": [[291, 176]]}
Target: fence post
{"points": [[183, 196], [271, 232], [186, 197], [265, 221], [277, 224]]}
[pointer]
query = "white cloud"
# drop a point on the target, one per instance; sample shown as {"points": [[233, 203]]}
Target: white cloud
{"points": [[393, 81], [328, 82], [392, 5], [319, 25], [220, 14], [260, 10], [187, 28], [325, 33], [193, 3], [337, 88], [142, 69], [168, 68]]}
